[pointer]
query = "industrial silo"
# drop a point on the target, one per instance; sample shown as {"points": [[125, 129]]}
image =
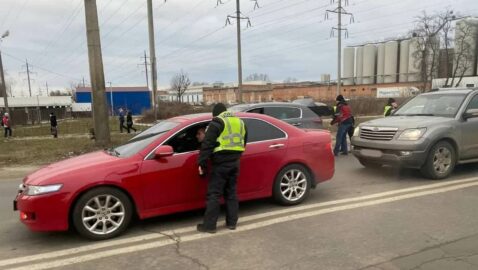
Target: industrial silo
{"points": [[414, 61], [380, 62], [390, 65], [369, 55], [466, 32], [348, 66], [359, 66], [404, 56]]}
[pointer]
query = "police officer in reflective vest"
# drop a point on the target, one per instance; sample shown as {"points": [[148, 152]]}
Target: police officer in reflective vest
{"points": [[390, 107], [225, 140]]}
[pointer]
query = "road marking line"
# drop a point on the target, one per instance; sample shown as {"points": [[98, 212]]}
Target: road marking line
{"points": [[248, 227], [152, 236]]}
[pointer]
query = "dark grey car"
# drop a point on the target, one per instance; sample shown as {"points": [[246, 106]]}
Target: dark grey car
{"points": [[297, 115], [432, 132]]}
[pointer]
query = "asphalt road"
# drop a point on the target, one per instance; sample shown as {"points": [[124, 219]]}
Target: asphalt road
{"points": [[361, 219]]}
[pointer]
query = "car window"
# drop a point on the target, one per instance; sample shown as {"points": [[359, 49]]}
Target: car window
{"points": [[257, 110], [258, 130], [282, 112], [186, 140], [473, 103]]}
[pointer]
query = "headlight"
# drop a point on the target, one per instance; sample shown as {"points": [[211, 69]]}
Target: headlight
{"points": [[38, 190], [412, 134], [356, 132]]}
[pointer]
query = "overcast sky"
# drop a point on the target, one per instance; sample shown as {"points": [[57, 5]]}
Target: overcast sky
{"points": [[288, 38]]}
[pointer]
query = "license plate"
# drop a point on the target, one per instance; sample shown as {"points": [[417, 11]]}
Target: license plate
{"points": [[15, 205], [371, 153]]}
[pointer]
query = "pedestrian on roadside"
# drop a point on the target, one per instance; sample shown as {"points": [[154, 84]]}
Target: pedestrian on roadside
{"points": [[129, 122], [343, 117], [390, 107], [6, 125], [53, 125], [224, 143], [121, 120]]}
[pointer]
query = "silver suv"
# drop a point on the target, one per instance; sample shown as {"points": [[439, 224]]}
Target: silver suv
{"points": [[432, 132]]}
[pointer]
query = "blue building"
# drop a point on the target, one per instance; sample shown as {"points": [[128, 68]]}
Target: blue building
{"points": [[134, 99]]}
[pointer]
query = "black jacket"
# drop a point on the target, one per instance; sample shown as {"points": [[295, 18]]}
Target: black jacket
{"points": [[53, 122], [213, 131]]}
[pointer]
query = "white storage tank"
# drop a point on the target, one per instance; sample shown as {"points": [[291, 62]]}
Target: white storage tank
{"points": [[413, 61], [466, 32], [359, 66], [369, 56], [348, 66], [404, 56], [380, 62], [390, 65]]}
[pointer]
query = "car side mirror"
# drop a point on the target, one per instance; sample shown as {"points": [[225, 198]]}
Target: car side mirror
{"points": [[471, 113], [163, 151]]}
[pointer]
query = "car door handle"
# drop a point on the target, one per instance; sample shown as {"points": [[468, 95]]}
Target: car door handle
{"points": [[277, 146], [297, 124]]}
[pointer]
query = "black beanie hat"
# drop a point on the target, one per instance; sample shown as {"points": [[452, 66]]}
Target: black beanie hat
{"points": [[340, 98], [218, 109]]}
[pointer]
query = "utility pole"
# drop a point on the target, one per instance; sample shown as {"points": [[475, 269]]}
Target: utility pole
{"points": [[4, 86], [84, 82], [28, 77], [97, 76], [47, 93], [339, 11], [146, 69], [111, 99], [238, 18], [152, 55]]}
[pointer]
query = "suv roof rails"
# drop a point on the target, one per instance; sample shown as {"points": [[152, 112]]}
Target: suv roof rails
{"points": [[455, 88]]}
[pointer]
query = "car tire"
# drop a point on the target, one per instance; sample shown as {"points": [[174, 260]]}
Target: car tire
{"points": [[109, 208], [440, 162], [369, 164], [292, 185]]}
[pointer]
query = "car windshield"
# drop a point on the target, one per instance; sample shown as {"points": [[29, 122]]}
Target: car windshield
{"points": [[140, 141], [444, 105]]}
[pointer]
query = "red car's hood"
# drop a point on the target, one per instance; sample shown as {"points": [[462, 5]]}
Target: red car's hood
{"points": [[59, 171]]}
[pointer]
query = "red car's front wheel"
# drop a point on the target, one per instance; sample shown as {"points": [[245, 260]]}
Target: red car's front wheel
{"points": [[102, 213]]}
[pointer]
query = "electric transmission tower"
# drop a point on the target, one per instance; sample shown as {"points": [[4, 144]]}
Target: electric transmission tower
{"points": [[340, 11], [239, 17], [28, 72]]}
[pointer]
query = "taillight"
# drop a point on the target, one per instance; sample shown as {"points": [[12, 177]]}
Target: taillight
{"points": [[27, 216]]}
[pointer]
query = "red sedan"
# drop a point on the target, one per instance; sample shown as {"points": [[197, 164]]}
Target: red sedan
{"points": [[155, 173]]}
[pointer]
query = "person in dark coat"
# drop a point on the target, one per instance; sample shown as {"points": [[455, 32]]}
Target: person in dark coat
{"points": [[224, 147], [129, 122], [53, 125]]}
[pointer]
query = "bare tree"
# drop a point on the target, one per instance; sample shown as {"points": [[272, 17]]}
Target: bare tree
{"points": [[464, 52], [427, 35], [258, 77], [180, 83]]}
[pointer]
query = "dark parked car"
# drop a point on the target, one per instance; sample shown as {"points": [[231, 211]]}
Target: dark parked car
{"points": [[296, 114]]}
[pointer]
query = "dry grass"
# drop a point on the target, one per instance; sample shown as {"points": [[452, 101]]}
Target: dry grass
{"points": [[47, 150]]}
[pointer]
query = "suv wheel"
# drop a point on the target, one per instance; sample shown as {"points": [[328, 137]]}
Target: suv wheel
{"points": [[440, 162]]}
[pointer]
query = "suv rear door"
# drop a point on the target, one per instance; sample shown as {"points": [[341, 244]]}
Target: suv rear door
{"points": [[289, 114], [470, 133]]}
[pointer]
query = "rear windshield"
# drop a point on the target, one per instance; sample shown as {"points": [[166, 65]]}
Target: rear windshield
{"points": [[443, 105]]}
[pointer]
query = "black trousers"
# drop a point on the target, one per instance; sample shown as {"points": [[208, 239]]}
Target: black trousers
{"points": [[122, 126], [8, 132], [130, 127], [223, 182]]}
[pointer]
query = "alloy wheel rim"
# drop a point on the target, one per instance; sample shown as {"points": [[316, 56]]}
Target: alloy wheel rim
{"points": [[103, 214], [442, 160], [293, 185]]}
